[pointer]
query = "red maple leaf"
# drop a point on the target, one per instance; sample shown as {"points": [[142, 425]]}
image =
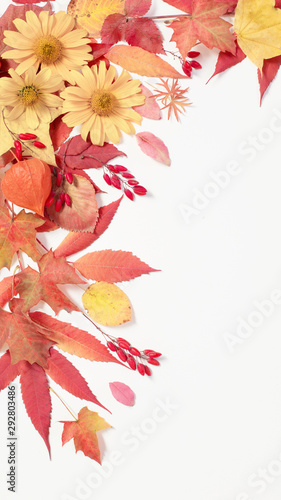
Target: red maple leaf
{"points": [[26, 339], [34, 286], [203, 24], [17, 233], [84, 433]]}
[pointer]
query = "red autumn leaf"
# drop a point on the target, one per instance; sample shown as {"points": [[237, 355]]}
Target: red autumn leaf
{"points": [[26, 339], [75, 242], [28, 184], [114, 29], [73, 340], [59, 132], [6, 158], [36, 397], [227, 60], [150, 109], [47, 226], [82, 214], [136, 7], [99, 50], [153, 147], [17, 233], [122, 393], [82, 155], [84, 433], [68, 377], [204, 24], [269, 71], [34, 286], [111, 266], [8, 372], [7, 286]]}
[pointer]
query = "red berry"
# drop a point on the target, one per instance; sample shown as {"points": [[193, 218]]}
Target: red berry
{"points": [[195, 64], [131, 362], [123, 343], [50, 199], [19, 154], [147, 370], [39, 145], [30, 136], [133, 182], [59, 179], [127, 175], [111, 346], [140, 190], [69, 177], [62, 197], [141, 368], [58, 205], [67, 199], [111, 168], [120, 168], [107, 179], [153, 361], [129, 194], [17, 145], [116, 182], [134, 351], [187, 68], [121, 354], [152, 354], [193, 53], [23, 137]]}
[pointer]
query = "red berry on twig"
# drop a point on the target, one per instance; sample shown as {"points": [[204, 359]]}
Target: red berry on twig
{"points": [[195, 64], [115, 182], [133, 182], [23, 137], [193, 53], [59, 179], [30, 136], [147, 370], [121, 354], [140, 190], [123, 343], [141, 368], [107, 179], [69, 177], [120, 168], [153, 361], [134, 351], [187, 68], [111, 346], [127, 175], [129, 194], [39, 144], [152, 354], [58, 205], [50, 199], [67, 199], [131, 362]]}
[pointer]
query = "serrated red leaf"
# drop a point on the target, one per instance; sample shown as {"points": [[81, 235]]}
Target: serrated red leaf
{"points": [[143, 32], [83, 431], [59, 132], [68, 377], [26, 339], [36, 398], [111, 266], [113, 29], [6, 289], [8, 372], [134, 8], [73, 340], [17, 233], [204, 24], [82, 155], [34, 286], [75, 242]]}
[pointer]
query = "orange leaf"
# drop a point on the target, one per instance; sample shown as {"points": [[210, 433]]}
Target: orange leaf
{"points": [[84, 432], [28, 184], [141, 62]]}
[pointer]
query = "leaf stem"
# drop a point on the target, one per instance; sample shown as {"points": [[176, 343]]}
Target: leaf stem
{"points": [[159, 18], [19, 259], [43, 246], [51, 389]]}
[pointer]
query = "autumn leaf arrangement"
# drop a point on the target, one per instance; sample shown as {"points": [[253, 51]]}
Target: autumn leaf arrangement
{"points": [[58, 71]]}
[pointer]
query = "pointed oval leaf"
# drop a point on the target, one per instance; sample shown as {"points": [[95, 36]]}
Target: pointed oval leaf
{"points": [[122, 393], [107, 304], [154, 147]]}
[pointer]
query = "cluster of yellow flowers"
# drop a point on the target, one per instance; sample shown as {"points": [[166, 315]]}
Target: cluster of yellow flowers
{"points": [[49, 50]]}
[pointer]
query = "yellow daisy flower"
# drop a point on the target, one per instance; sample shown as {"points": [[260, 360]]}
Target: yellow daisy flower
{"points": [[102, 104], [30, 96], [49, 40]]}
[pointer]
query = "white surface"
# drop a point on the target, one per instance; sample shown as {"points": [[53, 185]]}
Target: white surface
{"points": [[223, 433]]}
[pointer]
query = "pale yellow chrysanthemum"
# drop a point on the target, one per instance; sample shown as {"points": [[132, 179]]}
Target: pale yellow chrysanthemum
{"points": [[49, 40], [30, 96], [102, 104]]}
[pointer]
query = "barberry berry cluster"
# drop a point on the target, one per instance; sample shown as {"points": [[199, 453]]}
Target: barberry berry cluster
{"points": [[26, 137], [190, 63], [119, 177], [59, 196], [136, 359]]}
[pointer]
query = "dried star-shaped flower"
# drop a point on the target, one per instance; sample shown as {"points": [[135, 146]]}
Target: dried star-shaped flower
{"points": [[173, 97]]}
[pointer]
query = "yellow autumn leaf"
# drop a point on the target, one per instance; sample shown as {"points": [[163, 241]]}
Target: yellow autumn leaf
{"points": [[107, 304], [90, 14], [257, 25], [21, 126]]}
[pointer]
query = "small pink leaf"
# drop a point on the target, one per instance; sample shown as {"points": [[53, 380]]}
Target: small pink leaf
{"points": [[122, 393], [150, 109], [154, 147]]}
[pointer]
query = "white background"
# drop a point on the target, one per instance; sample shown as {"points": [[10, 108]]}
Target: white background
{"points": [[222, 430]]}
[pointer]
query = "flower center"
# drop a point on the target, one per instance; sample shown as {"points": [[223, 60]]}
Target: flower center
{"points": [[28, 95], [102, 102], [48, 49]]}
